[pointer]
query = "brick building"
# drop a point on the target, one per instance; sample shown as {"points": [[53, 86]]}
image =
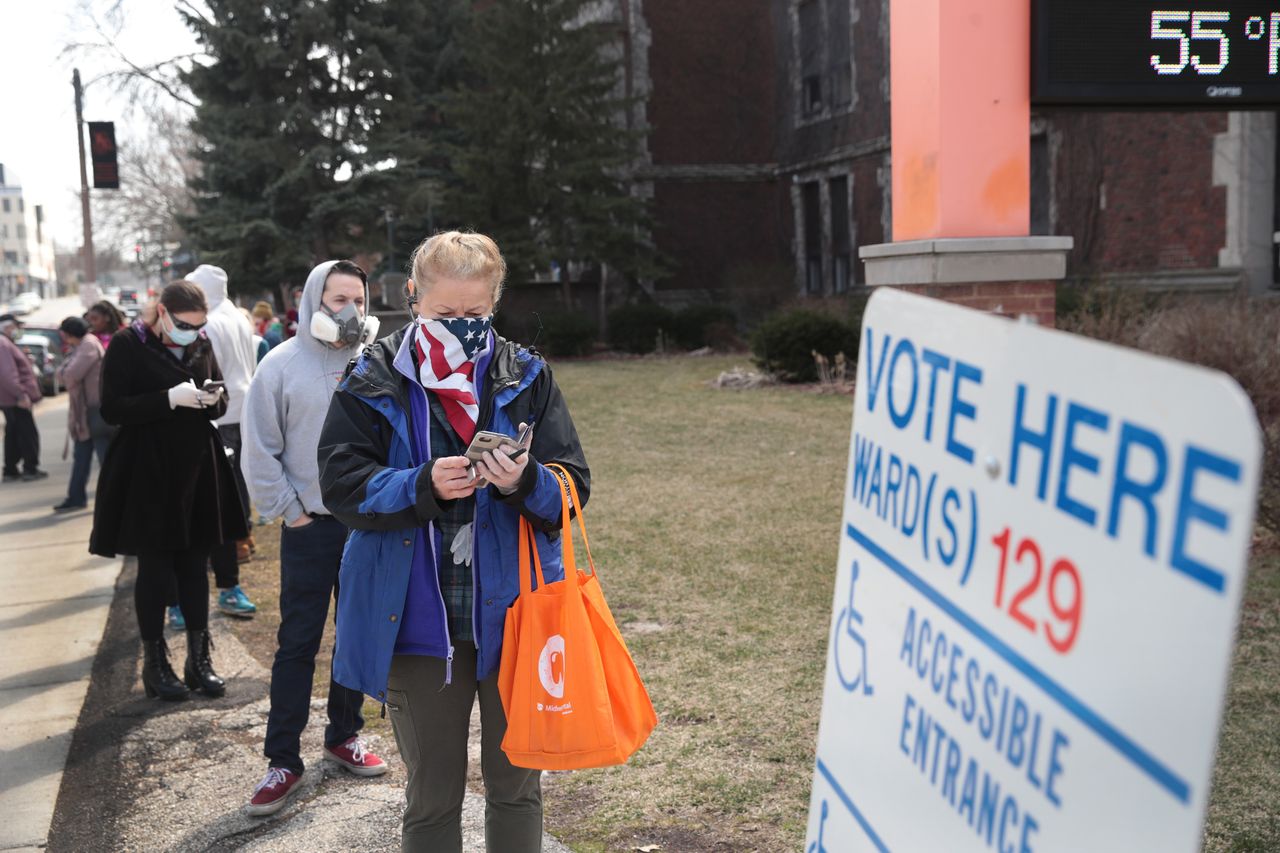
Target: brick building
{"points": [[768, 161]]}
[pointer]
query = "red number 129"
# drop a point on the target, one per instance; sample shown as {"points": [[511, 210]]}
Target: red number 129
{"points": [[1066, 615]]}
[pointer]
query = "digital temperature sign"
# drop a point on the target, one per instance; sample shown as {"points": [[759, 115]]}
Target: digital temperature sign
{"points": [[1121, 52]]}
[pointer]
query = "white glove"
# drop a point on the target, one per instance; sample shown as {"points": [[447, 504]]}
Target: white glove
{"points": [[186, 394], [461, 547]]}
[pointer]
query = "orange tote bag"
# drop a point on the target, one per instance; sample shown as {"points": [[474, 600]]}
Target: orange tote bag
{"points": [[571, 692]]}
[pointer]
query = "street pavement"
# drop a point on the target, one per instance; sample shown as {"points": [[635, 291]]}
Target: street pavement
{"points": [[53, 311], [54, 599]]}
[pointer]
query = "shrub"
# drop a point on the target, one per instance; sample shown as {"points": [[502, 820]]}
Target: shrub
{"points": [[1115, 314], [784, 344], [568, 334], [635, 328], [705, 326]]}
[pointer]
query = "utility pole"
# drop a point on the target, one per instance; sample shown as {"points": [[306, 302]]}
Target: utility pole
{"points": [[90, 266]]}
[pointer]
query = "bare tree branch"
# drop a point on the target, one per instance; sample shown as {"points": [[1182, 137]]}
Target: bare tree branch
{"points": [[106, 28]]}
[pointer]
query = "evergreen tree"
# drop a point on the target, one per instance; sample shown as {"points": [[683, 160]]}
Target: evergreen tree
{"points": [[303, 115], [537, 147]]}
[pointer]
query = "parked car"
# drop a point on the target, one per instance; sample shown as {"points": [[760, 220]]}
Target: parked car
{"points": [[40, 352], [25, 302], [129, 302], [54, 337]]}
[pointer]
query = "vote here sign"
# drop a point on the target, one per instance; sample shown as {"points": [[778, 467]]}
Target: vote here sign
{"points": [[1041, 561]]}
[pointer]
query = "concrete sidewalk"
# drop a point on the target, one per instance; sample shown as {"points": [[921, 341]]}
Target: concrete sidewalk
{"points": [[54, 599], [153, 776]]}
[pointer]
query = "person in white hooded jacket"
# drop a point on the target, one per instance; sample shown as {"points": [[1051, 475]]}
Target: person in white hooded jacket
{"points": [[232, 339], [287, 404]]}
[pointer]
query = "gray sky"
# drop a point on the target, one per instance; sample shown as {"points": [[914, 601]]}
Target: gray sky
{"points": [[37, 137]]}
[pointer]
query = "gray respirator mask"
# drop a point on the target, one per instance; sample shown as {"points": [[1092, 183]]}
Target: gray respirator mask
{"points": [[346, 326]]}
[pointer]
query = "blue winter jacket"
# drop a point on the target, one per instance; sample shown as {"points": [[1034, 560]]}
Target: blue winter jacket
{"points": [[375, 477]]}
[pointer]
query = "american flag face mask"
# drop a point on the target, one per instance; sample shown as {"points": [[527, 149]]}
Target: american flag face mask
{"points": [[447, 353]]}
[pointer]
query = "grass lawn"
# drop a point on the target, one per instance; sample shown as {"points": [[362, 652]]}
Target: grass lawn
{"points": [[714, 519]]}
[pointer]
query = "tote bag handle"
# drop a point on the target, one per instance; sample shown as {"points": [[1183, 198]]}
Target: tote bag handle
{"points": [[569, 498], [530, 561]]}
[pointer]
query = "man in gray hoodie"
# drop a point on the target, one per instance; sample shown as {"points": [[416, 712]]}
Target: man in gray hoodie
{"points": [[286, 407]]}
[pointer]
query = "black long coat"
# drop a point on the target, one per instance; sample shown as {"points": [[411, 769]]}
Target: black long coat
{"points": [[166, 483]]}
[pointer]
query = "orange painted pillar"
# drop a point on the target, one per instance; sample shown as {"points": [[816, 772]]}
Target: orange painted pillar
{"points": [[960, 90]]}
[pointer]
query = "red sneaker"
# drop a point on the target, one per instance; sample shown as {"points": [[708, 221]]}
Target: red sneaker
{"points": [[272, 792], [351, 755]]}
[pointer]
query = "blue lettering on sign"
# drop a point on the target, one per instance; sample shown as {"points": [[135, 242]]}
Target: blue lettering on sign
{"points": [[1037, 438], [974, 792], [1131, 436], [1190, 509], [902, 370], [1072, 456], [900, 493], [1017, 731]]}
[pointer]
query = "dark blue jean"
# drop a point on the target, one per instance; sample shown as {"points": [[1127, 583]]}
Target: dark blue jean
{"points": [[81, 464], [309, 561]]}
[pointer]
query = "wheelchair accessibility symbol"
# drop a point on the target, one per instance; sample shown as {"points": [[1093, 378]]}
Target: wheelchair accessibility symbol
{"points": [[846, 636], [818, 846]]}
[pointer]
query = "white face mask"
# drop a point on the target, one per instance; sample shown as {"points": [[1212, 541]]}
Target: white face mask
{"points": [[180, 337]]}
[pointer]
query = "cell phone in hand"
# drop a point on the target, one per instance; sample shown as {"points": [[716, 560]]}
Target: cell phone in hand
{"points": [[496, 441], [485, 440], [214, 386]]}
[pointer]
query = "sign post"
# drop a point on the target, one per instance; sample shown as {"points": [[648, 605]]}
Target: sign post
{"points": [[1042, 558]]}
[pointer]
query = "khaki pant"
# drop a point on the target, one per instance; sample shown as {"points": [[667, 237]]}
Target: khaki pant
{"points": [[431, 726]]}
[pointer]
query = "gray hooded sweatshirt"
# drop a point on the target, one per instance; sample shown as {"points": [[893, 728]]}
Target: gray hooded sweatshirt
{"points": [[286, 407]]}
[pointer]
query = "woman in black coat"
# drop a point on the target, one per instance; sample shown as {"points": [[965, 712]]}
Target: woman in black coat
{"points": [[166, 491]]}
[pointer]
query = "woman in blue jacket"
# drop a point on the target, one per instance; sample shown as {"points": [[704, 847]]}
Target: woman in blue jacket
{"points": [[430, 567]]}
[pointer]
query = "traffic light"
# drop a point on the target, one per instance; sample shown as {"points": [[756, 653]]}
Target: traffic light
{"points": [[137, 252], [102, 148]]}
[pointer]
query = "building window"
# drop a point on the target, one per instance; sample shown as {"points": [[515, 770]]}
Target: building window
{"points": [[6, 205], [811, 206], [21, 206], [1041, 186], [4, 232], [10, 257], [811, 70], [841, 240], [22, 232], [840, 52]]}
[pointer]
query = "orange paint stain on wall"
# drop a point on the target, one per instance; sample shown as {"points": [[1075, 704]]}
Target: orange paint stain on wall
{"points": [[916, 214], [1006, 192]]}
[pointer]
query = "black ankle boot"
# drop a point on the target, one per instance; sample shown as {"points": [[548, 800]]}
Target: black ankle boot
{"points": [[199, 674], [158, 677]]}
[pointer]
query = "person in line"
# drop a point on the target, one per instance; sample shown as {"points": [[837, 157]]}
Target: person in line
{"points": [[19, 393], [260, 347], [104, 320], [286, 406], [431, 566], [232, 339], [268, 325], [81, 375], [165, 491]]}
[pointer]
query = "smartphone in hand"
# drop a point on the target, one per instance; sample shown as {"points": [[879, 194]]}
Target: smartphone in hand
{"points": [[498, 443]]}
